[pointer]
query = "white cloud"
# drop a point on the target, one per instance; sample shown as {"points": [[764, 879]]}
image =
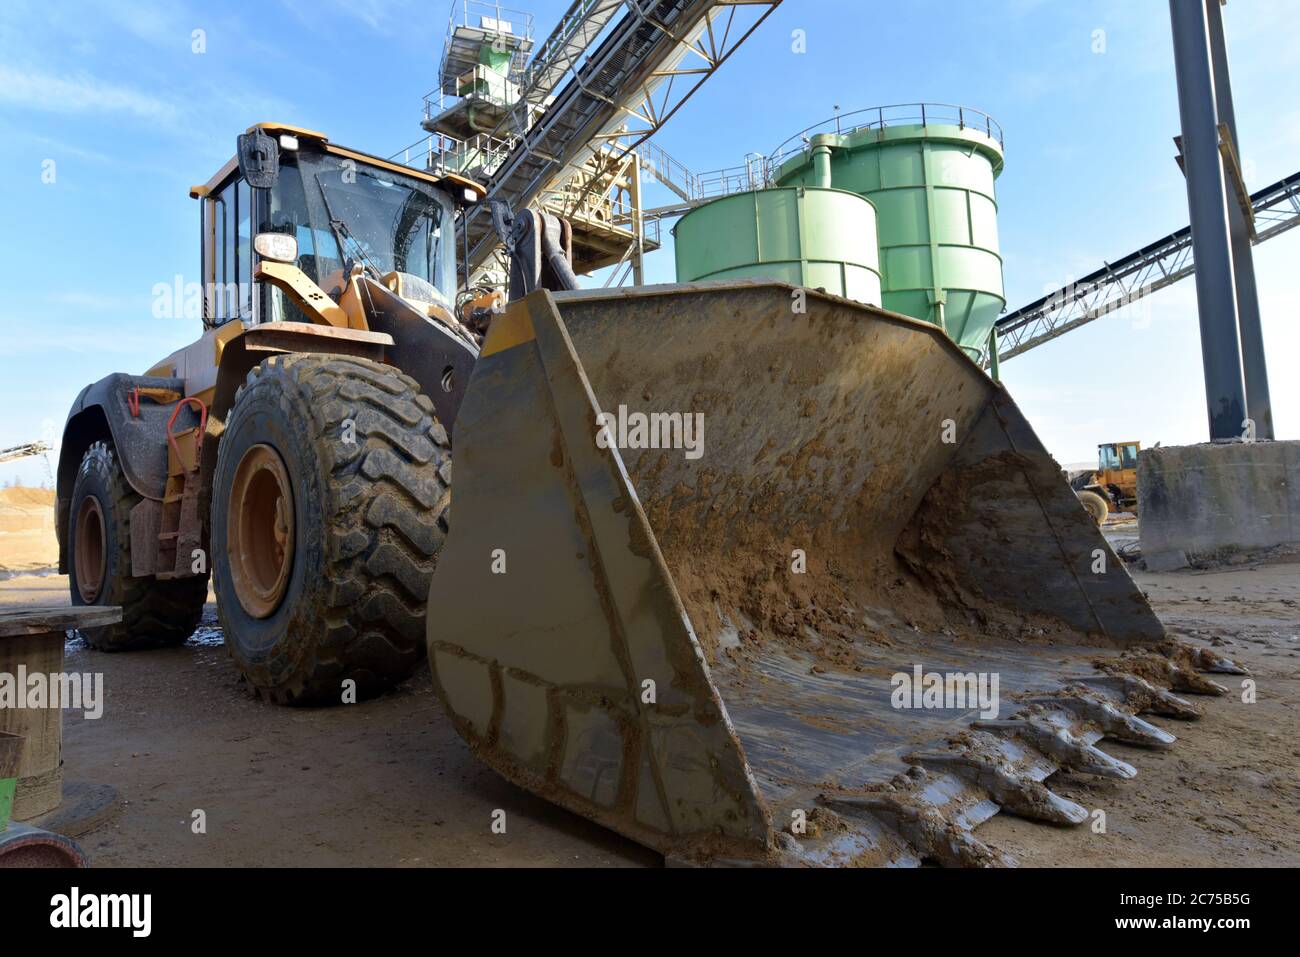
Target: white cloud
{"points": [[98, 302], [82, 342], [59, 147], [155, 24], [384, 18], [78, 93]]}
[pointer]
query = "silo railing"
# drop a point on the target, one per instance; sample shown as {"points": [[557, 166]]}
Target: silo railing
{"points": [[759, 171], [897, 114]]}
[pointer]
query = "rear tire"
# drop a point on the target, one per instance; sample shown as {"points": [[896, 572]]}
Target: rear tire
{"points": [[329, 506], [1096, 505], [154, 613]]}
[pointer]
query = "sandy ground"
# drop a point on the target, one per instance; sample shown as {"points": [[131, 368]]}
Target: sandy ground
{"points": [[388, 782], [385, 782], [1227, 793], [27, 540]]}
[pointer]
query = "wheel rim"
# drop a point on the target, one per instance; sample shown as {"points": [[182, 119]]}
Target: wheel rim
{"points": [[90, 550], [260, 531]]}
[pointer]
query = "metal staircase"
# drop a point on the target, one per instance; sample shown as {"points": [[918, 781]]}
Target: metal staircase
{"points": [[626, 89], [593, 92], [561, 52]]}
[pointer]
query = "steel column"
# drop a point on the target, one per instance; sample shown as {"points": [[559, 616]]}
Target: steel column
{"points": [[1216, 302], [1258, 403], [638, 225]]}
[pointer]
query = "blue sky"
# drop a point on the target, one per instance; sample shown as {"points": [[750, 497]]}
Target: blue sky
{"points": [[113, 94]]}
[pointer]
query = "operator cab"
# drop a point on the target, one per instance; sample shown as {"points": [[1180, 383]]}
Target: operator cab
{"points": [[1117, 455], [341, 208]]}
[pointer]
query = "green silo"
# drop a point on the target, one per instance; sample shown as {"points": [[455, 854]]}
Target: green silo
{"points": [[932, 186], [814, 238]]}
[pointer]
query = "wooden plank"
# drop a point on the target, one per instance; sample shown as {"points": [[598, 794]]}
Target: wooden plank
{"points": [[40, 619], [11, 750]]}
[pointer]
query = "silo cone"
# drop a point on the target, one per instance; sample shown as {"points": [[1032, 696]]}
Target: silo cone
{"points": [[690, 627]]}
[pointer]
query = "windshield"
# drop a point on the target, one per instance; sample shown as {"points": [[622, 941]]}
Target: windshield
{"points": [[342, 210]]}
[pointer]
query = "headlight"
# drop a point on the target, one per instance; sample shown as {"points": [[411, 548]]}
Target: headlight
{"points": [[281, 247]]}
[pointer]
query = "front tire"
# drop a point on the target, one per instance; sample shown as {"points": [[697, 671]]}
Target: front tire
{"points": [[329, 506], [154, 613], [1095, 505]]}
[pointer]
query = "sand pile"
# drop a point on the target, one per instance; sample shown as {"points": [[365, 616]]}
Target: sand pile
{"points": [[27, 538]]}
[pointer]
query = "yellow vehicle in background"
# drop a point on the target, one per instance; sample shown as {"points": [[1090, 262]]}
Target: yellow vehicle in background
{"points": [[1113, 487]]}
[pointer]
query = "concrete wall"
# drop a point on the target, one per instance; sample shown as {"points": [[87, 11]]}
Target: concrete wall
{"points": [[1207, 502]]}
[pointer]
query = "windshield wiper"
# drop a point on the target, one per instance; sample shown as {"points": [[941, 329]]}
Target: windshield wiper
{"points": [[341, 232]]}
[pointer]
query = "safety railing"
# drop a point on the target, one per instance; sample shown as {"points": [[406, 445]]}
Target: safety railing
{"points": [[754, 174], [480, 21], [482, 83], [759, 171], [480, 155], [477, 156], [898, 114], [668, 171], [491, 17]]}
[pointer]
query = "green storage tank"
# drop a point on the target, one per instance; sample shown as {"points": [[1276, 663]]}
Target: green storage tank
{"points": [[814, 238], [932, 186]]}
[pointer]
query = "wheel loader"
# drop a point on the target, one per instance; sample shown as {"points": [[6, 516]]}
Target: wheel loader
{"points": [[1113, 486], [745, 572]]}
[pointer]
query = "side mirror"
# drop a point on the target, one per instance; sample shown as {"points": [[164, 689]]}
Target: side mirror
{"points": [[259, 159]]}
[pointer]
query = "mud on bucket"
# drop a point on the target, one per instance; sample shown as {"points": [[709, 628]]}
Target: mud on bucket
{"points": [[690, 644]]}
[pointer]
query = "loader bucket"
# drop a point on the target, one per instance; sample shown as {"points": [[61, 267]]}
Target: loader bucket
{"points": [[692, 632]]}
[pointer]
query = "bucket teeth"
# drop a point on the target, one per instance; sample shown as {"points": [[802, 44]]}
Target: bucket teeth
{"points": [[1208, 660], [1199, 658], [1014, 791], [1142, 696], [929, 833], [1003, 763], [1112, 722], [1184, 679], [1178, 677], [1062, 746]]}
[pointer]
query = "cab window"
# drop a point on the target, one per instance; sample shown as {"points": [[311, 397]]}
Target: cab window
{"points": [[1108, 457], [317, 249], [1129, 456], [228, 254], [244, 250]]}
